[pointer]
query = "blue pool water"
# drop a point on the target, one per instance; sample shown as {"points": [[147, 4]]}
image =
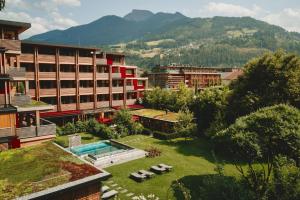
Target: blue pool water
{"points": [[95, 148]]}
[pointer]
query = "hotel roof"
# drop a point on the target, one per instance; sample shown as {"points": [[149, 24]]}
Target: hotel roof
{"points": [[22, 26]]}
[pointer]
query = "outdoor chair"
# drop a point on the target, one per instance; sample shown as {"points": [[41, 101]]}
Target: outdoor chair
{"points": [[138, 177], [146, 173], [168, 167], [158, 170]]}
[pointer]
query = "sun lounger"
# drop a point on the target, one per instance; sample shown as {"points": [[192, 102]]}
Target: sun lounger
{"points": [[138, 177], [109, 194], [104, 189], [158, 169], [146, 173], [168, 167]]}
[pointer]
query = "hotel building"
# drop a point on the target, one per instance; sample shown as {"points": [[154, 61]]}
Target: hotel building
{"points": [[44, 83]]}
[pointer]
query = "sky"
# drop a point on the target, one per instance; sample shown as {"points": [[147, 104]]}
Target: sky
{"points": [[46, 15]]}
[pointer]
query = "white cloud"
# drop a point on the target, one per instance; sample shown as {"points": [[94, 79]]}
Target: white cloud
{"points": [[224, 9], [67, 2], [288, 18]]}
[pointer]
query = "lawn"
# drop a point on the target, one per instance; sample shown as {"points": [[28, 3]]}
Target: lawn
{"points": [[156, 114], [32, 169], [85, 139], [191, 159]]}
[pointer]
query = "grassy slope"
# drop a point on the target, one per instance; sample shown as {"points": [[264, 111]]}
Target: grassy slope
{"points": [[189, 158]]}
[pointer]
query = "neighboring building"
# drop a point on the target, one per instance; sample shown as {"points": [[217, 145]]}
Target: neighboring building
{"points": [[75, 81], [231, 75], [193, 77]]}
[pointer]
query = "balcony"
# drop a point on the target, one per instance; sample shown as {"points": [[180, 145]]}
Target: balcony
{"points": [[117, 90], [16, 73], [46, 128], [117, 103], [103, 76], [47, 75], [85, 76], [28, 58], [116, 75], [102, 104], [66, 59], [48, 92], [71, 106], [88, 90], [46, 58], [67, 75], [129, 87], [11, 45], [30, 75], [68, 91], [102, 90], [32, 92], [86, 106], [130, 101], [85, 60]]}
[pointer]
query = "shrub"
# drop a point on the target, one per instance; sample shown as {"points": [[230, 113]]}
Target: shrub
{"points": [[59, 131], [91, 124], [69, 129], [136, 128], [81, 126], [153, 152], [165, 136]]}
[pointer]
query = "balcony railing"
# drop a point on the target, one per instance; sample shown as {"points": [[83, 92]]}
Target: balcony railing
{"points": [[67, 75], [30, 75], [48, 92], [67, 59], [102, 76], [116, 75], [83, 75], [65, 107], [28, 58], [45, 128], [13, 45], [85, 60], [130, 101], [102, 90], [15, 72], [46, 58], [68, 91], [129, 88], [88, 90], [88, 105], [102, 104], [117, 89], [101, 61], [47, 75], [117, 103]]}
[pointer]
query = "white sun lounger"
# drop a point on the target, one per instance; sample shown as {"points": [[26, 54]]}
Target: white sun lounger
{"points": [[168, 167], [109, 194], [146, 173], [138, 177], [158, 169]]}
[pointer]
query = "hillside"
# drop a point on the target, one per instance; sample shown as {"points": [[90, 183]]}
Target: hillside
{"points": [[162, 38]]}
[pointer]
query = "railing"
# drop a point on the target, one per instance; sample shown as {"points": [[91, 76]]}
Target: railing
{"points": [[88, 90], [71, 106], [102, 76], [89, 105], [46, 58], [102, 90], [68, 91], [117, 89], [15, 72], [67, 75], [30, 75], [128, 88], [83, 75], [85, 60], [27, 132], [27, 58], [66, 59], [5, 132], [116, 75], [48, 92], [47, 75], [14, 45], [20, 99], [102, 104], [101, 61], [130, 101], [117, 103]]}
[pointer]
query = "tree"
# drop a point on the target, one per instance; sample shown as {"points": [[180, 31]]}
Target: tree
{"points": [[125, 125], [2, 4], [271, 79], [209, 107], [185, 125], [183, 97], [258, 139]]}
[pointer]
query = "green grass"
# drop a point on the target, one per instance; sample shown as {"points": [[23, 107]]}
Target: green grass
{"points": [[34, 103], [156, 114], [192, 158], [31, 169], [85, 139]]}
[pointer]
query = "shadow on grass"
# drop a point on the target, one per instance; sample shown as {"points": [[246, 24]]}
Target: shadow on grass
{"points": [[211, 187]]}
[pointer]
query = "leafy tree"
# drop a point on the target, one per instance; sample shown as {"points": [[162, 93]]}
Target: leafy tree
{"points": [[184, 97], [185, 126], [69, 129], [258, 139], [268, 80], [209, 107], [81, 126]]}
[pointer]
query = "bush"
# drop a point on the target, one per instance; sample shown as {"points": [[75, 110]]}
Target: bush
{"points": [[69, 129], [59, 131], [146, 131], [91, 124], [165, 136], [136, 128], [81, 126]]}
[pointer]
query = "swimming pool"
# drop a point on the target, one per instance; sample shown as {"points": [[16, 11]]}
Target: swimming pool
{"points": [[98, 148]]}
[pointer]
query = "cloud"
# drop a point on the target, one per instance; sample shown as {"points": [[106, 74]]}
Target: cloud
{"points": [[68, 2], [288, 18], [232, 10]]}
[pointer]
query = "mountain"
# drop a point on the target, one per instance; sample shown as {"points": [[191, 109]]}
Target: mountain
{"points": [[162, 38], [138, 15]]}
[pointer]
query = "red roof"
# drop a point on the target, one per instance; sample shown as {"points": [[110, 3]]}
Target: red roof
{"points": [[61, 114]]}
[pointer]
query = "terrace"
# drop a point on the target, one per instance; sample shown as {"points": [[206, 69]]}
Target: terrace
{"points": [[36, 169]]}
